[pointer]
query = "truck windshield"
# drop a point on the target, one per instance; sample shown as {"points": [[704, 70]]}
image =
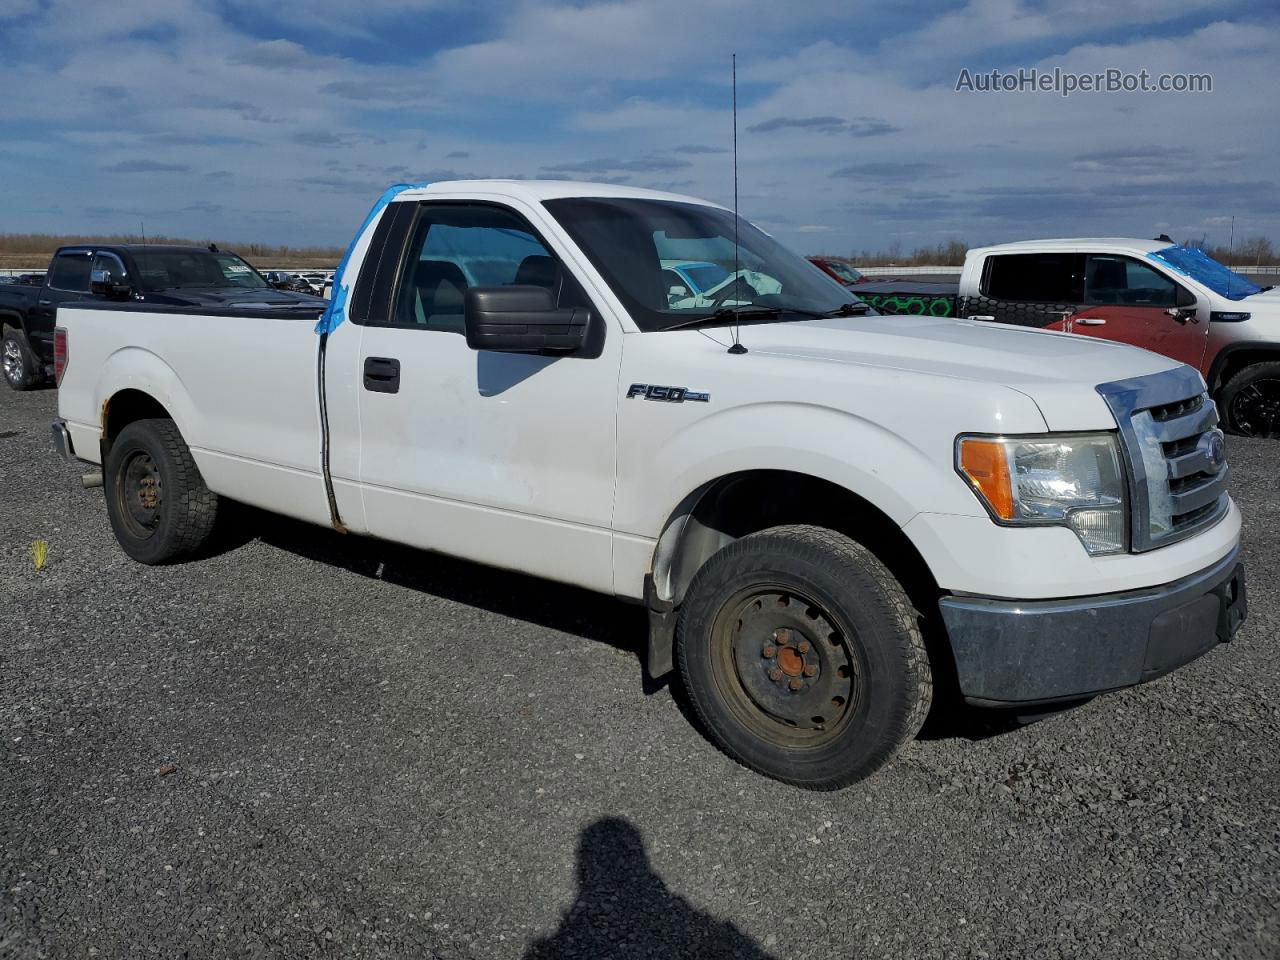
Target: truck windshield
{"points": [[658, 254], [179, 269], [1199, 266], [844, 271]]}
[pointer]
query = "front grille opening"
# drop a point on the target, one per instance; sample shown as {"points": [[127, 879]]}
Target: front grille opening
{"points": [[1193, 482], [1174, 420], [1185, 521], [1179, 408]]}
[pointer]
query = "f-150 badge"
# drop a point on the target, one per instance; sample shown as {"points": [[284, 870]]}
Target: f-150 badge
{"points": [[651, 391]]}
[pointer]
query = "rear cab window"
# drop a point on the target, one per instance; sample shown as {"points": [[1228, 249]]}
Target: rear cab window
{"points": [[70, 271], [1034, 277]]}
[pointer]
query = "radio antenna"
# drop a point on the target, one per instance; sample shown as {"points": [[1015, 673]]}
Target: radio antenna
{"points": [[737, 347]]}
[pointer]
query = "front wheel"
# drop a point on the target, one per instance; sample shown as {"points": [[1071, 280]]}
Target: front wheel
{"points": [[803, 657], [1250, 402], [160, 509]]}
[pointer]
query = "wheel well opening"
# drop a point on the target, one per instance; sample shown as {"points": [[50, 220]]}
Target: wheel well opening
{"points": [[1235, 361], [126, 407], [744, 503], [740, 504]]}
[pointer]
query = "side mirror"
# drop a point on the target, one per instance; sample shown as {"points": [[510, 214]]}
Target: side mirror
{"points": [[521, 319], [1185, 298], [103, 284]]}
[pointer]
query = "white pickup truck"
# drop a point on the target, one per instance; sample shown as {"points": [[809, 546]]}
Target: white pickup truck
{"points": [[825, 512]]}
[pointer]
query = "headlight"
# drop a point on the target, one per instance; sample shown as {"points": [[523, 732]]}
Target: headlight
{"points": [[1072, 480]]}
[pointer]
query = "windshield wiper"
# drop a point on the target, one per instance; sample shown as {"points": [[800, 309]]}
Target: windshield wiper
{"points": [[735, 314], [727, 315], [844, 310]]}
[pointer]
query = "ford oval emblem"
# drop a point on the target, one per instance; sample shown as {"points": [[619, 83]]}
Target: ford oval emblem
{"points": [[1215, 449]]}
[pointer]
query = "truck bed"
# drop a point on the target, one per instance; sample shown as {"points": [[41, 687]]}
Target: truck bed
{"points": [[242, 388], [913, 297]]}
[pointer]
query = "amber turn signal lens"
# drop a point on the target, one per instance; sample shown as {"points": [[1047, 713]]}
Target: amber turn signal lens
{"points": [[986, 464]]}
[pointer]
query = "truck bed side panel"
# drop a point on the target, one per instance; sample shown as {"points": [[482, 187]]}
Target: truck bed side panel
{"points": [[242, 390]]}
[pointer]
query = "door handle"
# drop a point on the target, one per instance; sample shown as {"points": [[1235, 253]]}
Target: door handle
{"points": [[45, 303], [982, 316], [1091, 321], [382, 374]]}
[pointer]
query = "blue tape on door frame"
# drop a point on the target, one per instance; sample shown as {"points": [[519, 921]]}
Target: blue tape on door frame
{"points": [[336, 312]]}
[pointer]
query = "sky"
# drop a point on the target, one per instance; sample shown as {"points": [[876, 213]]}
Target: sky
{"points": [[281, 122]]}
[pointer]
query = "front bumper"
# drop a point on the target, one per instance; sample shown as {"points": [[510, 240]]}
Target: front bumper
{"points": [[62, 441], [1024, 653]]}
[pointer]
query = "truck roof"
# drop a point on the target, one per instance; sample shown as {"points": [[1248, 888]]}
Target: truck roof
{"points": [[138, 247], [538, 190], [1099, 244]]}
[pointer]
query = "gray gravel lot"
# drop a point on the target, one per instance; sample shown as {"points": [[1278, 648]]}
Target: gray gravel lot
{"points": [[382, 753]]}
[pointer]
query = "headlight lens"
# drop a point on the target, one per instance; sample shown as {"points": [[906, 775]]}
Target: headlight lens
{"points": [[1072, 480]]}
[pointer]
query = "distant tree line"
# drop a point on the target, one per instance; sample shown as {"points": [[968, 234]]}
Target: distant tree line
{"points": [[1247, 252]]}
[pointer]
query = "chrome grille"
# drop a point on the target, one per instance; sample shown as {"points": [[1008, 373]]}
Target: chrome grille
{"points": [[1176, 455]]}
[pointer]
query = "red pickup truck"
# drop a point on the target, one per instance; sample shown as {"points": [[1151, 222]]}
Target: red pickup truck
{"points": [[1171, 299]]}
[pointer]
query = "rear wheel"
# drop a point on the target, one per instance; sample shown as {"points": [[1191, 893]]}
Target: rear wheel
{"points": [[803, 657], [21, 371], [160, 509], [1250, 402]]}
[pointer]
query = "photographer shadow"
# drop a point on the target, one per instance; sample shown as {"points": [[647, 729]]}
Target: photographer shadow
{"points": [[624, 909]]}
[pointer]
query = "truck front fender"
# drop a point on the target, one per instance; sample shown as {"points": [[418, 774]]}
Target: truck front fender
{"points": [[872, 465]]}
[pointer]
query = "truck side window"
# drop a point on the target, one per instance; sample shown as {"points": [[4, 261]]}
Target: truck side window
{"points": [[1034, 277], [70, 271], [1127, 282], [456, 246]]}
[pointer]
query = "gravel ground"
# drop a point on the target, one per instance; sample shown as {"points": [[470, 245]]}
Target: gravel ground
{"points": [[316, 746]]}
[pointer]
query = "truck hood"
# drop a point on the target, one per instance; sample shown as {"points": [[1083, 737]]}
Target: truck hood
{"points": [[270, 299], [1058, 371], [1268, 300]]}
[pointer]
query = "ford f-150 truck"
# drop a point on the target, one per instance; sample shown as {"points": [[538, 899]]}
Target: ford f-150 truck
{"points": [[825, 513], [145, 273], [1172, 299]]}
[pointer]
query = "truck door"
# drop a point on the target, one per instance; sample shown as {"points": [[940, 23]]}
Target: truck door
{"points": [[1130, 302], [507, 459], [67, 279]]}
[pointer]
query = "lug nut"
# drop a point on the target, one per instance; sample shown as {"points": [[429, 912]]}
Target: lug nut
{"points": [[803, 646], [796, 684], [775, 674], [811, 671], [769, 652], [782, 636]]}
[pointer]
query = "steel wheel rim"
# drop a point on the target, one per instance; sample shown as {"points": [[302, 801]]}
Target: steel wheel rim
{"points": [[1256, 408], [12, 361], [140, 494], [785, 669]]}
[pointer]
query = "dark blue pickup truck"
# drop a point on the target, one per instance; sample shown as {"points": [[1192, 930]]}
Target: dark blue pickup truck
{"points": [[149, 273]]}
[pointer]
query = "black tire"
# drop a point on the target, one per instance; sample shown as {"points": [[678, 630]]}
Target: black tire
{"points": [[823, 605], [21, 369], [160, 509], [1250, 402]]}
